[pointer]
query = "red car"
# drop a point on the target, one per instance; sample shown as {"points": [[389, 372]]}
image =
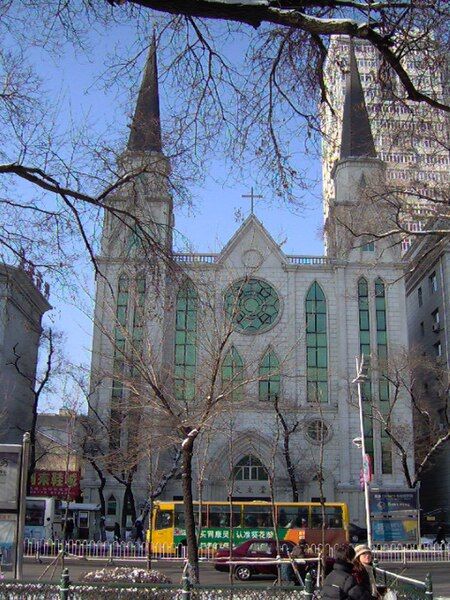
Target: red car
{"points": [[254, 548]]}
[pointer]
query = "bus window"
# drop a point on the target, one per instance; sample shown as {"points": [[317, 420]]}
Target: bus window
{"points": [[164, 519], [219, 516], [257, 516], [204, 514], [179, 516], [35, 513], [333, 516], [292, 516]]}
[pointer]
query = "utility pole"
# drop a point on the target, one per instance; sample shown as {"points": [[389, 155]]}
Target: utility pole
{"points": [[18, 567], [360, 379]]}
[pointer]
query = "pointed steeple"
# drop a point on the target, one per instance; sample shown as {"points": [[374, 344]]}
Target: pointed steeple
{"points": [[357, 140], [145, 134]]}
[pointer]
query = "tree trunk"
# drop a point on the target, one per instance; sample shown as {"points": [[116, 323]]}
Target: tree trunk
{"points": [[101, 487], [290, 467], [191, 538], [128, 499]]}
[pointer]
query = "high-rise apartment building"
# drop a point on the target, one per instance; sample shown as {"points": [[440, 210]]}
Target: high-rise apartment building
{"points": [[411, 138]]}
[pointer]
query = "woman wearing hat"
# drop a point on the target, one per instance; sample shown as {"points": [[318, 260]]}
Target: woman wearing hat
{"points": [[341, 584], [363, 570]]}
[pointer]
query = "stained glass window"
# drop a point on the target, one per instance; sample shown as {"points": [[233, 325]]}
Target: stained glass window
{"points": [[185, 342], [269, 377], [364, 349], [233, 375], [316, 345], [252, 305], [383, 384]]}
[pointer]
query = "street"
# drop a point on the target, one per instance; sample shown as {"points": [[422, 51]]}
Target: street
{"points": [[34, 570]]}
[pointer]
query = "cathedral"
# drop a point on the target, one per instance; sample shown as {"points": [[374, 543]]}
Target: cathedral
{"points": [[249, 349]]}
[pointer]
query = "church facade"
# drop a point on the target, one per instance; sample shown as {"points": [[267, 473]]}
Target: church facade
{"points": [[254, 347]]}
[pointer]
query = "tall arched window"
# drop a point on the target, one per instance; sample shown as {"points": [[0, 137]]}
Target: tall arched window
{"points": [[316, 345], [111, 507], [233, 375], [269, 376], [138, 320], [383, 384], [364, 348], [116, 414], [185, 342]]}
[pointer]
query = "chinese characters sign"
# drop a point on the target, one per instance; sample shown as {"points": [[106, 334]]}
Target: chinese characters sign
{"points": [[58, 484], [215, 537], [388, 502]]}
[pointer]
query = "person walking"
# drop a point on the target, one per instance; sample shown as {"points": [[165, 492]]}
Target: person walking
{"points": [[102, 529], [289, 571], [138, 531], [440, 535], [117, 533], [363, 570], [340, 584]]}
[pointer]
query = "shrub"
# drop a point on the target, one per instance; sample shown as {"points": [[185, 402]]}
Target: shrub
{"points": [[125, 575]]}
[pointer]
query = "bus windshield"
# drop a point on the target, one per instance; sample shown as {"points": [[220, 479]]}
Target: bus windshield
{"points": [[35, 513]]}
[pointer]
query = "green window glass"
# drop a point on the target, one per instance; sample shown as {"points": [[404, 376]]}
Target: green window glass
{"points": [[233, 375], [116, 414], [383, 384], [138, 322], [252, 305], [269, 377], [186, 342], [316, 345], [364, 348]]}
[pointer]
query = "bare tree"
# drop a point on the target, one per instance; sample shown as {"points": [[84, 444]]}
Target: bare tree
{"points": [[419, 383], [250, 106]]}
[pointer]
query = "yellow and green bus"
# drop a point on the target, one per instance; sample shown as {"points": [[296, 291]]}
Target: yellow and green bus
{"points": [[247, 520]]}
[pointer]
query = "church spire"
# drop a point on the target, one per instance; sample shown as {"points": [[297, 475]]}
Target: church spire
{"points": [[357, 140], [145, 134]]}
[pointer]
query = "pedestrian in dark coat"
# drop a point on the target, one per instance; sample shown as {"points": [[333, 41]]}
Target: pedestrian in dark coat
{"points": [[440, 535], [139, 531], [117, 533], [340, 583]]}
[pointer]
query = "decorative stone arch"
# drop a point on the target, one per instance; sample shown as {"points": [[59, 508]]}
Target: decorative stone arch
{"points": [[246, 443]]}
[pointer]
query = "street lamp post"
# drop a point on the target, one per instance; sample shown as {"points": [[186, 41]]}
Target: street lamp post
{"points": [[361, 377]]}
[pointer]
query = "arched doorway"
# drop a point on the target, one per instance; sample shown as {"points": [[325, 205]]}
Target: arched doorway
{"points": [[250, 479]]}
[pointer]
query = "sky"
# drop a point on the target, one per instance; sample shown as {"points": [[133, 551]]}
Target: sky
{"points": [[72, 80]]}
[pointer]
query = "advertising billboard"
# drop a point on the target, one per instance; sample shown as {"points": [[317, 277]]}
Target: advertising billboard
{"points": [[395, 516], [10, 455]]}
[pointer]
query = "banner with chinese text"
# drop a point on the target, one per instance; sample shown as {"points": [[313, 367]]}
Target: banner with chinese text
{"points": [[57, 484]]}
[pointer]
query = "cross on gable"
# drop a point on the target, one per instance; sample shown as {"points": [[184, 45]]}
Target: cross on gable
{"points": [[252, 197]]}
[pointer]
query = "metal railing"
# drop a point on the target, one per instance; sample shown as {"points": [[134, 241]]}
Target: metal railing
{"points": [[406, 587], [89, 549], [66, 590]]}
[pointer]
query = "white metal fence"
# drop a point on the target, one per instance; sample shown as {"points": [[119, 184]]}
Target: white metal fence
{"points": [[386, 553]]}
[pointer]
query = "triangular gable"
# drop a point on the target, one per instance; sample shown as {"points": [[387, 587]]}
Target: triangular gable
{"points": [[244, 231]]}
